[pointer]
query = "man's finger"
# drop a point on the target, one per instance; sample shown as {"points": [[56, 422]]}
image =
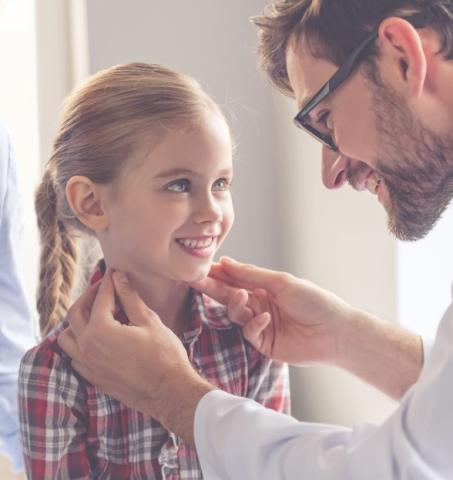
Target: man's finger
{"points": [[81, 368], [238, 311], [104, 303], [250, 277], [79, 313], [134, 307], [218, 272], [216, 289], [68, 343], [254, 330]]}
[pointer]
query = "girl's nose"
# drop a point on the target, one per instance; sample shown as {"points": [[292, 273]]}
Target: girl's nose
{"points": [[334, 168], [208, 210]]}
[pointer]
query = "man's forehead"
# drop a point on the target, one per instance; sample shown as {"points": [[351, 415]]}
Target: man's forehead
{"points": [[307, 74]]}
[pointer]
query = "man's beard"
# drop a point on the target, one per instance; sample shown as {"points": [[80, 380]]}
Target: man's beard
{"points": [[415, 163]]}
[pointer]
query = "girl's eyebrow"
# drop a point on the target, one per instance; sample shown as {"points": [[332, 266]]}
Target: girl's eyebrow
{"points": [[174, 172]]}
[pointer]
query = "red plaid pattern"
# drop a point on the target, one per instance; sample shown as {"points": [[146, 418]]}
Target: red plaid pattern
{"points": [[71, 430]]}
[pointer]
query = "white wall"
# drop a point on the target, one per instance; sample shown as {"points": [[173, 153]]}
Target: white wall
{"points": [[425, 277]]}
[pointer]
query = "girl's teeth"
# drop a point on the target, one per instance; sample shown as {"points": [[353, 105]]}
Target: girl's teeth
{"points": [[197, 243]]}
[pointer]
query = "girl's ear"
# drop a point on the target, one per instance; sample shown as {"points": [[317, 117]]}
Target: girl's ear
{"points": [[84, 198], [403, 55]]}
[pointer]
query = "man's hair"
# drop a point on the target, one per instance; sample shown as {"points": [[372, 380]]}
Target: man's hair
{"points": [[332, 29]]}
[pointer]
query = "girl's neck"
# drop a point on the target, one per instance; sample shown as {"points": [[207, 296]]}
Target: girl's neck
{"points": [[169, 299]]}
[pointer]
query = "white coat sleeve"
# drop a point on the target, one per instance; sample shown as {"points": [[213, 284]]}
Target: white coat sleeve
{"points": [[238, 439]]}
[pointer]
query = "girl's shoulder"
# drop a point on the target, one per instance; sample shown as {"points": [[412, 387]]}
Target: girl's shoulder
{"points": [[47, 354]]}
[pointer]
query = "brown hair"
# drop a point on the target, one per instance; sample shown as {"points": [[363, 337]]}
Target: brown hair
{"points": [[103, 123], [333, 28]]}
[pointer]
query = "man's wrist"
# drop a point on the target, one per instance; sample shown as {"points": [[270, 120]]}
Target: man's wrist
{"points": [[175, 406]]}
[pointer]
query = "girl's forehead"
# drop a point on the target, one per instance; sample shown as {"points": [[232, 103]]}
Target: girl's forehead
{"points": [[201, 146]]}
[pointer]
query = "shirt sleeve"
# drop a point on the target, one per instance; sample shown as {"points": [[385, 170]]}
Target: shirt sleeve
{"points": [[427, 344], [53, 416], [268, 381], [16, 322], [237, 438]]}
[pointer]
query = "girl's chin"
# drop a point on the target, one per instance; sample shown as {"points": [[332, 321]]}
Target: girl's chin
{"points": [[188, 275], [196, 277]]}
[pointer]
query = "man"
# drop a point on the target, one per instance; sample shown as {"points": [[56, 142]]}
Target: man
{"points": [[16, 321], [384, 118]]}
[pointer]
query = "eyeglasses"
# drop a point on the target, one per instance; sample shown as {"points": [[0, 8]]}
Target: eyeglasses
{"points": [[315, 127]]}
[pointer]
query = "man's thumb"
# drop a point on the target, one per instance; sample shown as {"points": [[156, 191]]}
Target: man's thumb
{"points": [[134, 307]]}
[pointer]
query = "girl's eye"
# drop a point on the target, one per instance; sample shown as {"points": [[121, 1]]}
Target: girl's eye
{"points": [[179, 186], [221, 185]]}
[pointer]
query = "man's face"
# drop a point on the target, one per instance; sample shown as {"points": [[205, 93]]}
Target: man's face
{"points": [[383, 147]]}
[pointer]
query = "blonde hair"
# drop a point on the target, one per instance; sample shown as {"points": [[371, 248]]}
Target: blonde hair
{"points": [[102, 124]]}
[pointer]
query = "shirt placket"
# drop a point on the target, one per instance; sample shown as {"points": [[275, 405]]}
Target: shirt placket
{"points": [[168, 459]]}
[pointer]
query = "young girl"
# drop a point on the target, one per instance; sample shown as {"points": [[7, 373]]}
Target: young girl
{"points": [[142, 162]]}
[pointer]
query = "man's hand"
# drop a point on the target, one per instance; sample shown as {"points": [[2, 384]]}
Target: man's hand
{"points": [[285, 318], [143, 364], [293, 320]]}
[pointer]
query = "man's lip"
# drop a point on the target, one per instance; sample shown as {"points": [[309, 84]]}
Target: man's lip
{"points": [[361, 184]]}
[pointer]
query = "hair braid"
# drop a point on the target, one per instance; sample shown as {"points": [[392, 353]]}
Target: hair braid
{"points": [[58, 256]]}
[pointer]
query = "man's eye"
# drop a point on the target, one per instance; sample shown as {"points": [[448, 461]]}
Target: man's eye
{"points": [[179, 186], [322, 119], [221, 185]]}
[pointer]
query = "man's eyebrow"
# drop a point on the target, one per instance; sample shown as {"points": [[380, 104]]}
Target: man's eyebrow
{"points": [[175, 172], [306, 100]]}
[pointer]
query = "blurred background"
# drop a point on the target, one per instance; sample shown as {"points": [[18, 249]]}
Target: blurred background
{"points": [[285, 219]]}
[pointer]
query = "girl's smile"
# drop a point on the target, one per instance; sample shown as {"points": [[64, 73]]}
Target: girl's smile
{"points": [[203, 247]]}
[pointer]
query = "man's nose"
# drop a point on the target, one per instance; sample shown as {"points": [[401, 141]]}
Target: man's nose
{"points": [[334, 168]]}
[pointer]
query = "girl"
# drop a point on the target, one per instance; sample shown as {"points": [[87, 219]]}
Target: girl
{"points": [[142, 162]]}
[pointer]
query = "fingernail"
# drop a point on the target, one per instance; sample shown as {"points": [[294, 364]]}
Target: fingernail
{"points": [[121, 277], [227, 260]]}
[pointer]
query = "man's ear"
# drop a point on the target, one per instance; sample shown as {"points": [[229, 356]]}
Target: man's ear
{"points": [[402, 55], [85, 199]]}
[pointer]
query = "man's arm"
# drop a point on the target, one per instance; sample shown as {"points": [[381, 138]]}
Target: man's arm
{"points": [[381, 353], [293, 320], [415, 442]]}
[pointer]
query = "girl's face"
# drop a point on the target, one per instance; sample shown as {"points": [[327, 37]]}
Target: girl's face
{"points": [[169, 213]]}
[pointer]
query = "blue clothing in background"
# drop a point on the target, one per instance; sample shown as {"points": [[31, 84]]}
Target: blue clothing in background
{"points": [[17, 332]]}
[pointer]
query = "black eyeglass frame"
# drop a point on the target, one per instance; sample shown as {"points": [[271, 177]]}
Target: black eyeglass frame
{"points": [[418, 20]]}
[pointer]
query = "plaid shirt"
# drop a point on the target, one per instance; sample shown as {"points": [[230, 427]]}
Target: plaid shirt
{"points": [[71, 430]]}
